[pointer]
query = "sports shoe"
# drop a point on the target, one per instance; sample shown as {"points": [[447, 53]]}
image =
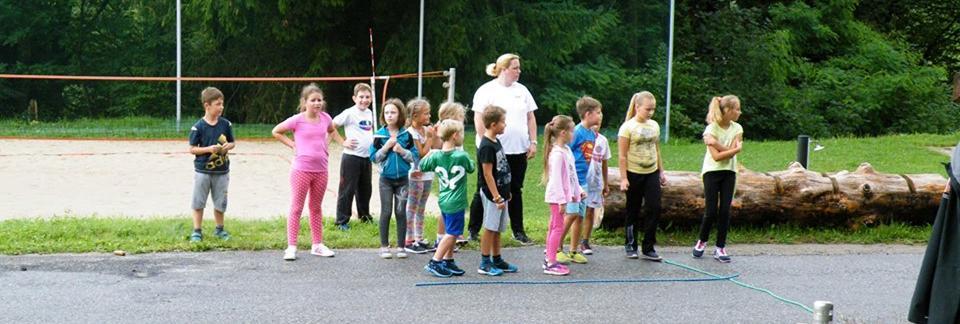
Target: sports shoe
{"points": [[290, 253], [385, 253], [562, 257], [721, 255], [698, 248], [461, 239], [505, 266], [436, 269], [632, 254], [400, 253], [577, 257], [652, 256], [222, 234], [556, 269], [475, 236], [451, 266], [487, 268], [415, 248], [523, 239], [196, 237], [365, 219], [321, 250], [343, 227], [585, 247], [426, 246]]}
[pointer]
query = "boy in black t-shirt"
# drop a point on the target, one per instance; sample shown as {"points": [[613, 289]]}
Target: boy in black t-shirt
{"points": [[495, 192], [210, 140]]}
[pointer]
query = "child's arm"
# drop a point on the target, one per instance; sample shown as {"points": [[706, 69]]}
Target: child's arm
{"points": [[280, 133], [606, 188], [334, 135], [379, 151], [197, 150], [623, 146], [470, 166], [720, 155], [491, 185], [409, 154], [663, 173]]}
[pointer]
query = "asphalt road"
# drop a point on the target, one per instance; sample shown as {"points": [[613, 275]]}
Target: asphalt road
{"points": [[866, 284]]}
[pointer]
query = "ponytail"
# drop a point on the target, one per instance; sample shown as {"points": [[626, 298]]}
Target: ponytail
{"points": [[551, 131], [719, 106], [637, 100]]}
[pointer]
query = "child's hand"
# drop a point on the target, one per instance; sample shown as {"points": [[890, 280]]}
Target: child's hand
{"points": [[390, 142], [398, 149], [624, 185], [214, 149], [663, 179], [583, 195], [351, 143], [606, 190], [501, 205], [416, 175]]}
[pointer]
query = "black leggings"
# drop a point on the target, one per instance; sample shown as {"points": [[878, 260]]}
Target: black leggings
{"points": [[718, 187], [644, 191]]}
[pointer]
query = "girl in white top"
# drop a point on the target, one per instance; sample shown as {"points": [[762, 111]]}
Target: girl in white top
{"points": [[418, 189], [724, 140]]}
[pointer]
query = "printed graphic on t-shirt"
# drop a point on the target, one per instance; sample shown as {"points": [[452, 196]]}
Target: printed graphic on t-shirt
{"points": [[449, 179], [366, 125], [587, 149], [644, 139]]}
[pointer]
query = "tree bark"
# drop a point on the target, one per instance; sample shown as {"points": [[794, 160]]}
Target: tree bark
{"points": [[797, 196]]}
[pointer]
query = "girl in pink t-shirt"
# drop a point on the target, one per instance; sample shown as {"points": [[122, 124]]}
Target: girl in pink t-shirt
{"points": [[311, 130]]}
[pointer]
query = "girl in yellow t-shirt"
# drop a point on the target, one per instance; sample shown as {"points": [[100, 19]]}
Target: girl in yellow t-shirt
{"points": [[641, 173], [724, 140]]}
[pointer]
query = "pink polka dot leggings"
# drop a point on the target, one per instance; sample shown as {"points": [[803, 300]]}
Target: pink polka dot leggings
{"points": [[303, 183]]}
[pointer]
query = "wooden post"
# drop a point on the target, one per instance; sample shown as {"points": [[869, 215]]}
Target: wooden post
{"points": [[956, 87]]}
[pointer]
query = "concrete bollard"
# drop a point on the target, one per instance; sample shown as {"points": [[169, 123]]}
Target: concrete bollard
{"points": [[822, 312]]}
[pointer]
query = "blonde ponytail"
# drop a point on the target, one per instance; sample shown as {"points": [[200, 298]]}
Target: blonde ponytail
{"points": [[503, 62], [551, 131], [637, 100], [718, 106]]}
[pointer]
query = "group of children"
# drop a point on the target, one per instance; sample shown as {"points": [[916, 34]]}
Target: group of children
{"points": [[411, 154]]}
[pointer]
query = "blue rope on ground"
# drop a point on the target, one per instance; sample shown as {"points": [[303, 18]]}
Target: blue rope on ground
{"points": [[741, 284], [569, 282]]}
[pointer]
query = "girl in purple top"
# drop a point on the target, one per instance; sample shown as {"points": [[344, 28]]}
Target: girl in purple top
{"points": [[311, 130]]}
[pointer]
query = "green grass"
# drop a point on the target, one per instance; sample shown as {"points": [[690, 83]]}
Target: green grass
{"points": [[87, 234], [119, 128], [890, 154]]}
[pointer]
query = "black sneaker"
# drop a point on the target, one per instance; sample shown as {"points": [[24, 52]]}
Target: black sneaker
{"points": [[366, 219], [451, 266], [474, 236], [415, 248], [523, 239], [652, 256], [426, 246], [698, 248], [632, 254], [437, 269]]}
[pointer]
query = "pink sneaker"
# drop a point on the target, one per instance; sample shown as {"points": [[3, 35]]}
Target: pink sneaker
{"points": [[556, 269]]}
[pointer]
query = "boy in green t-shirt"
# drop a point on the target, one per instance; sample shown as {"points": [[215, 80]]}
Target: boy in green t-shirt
{"points": [[451, 166]]}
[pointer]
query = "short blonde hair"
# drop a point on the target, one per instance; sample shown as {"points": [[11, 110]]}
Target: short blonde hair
{"points": [[362, 87], [210, 94], [503, 62], [449, 127], [452, 110]]}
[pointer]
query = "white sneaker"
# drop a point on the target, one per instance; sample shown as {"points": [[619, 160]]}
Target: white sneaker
{"points": [[290, 253], [321, 250], [385, 253], [401, 254]]}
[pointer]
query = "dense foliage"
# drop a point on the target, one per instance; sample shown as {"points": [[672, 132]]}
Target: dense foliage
{"points": [[821, 67]]}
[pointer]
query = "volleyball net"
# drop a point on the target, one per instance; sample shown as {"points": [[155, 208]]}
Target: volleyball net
{"points": [[281, 92]]}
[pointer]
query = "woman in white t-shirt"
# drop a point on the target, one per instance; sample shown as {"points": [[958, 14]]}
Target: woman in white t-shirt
{"points": [[519, 139]]}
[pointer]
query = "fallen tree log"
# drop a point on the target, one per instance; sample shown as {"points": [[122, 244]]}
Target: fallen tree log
{"points": [[797, 196]]}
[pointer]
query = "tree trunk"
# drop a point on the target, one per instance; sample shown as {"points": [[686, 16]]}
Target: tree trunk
{"points": [[797, 196]]}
